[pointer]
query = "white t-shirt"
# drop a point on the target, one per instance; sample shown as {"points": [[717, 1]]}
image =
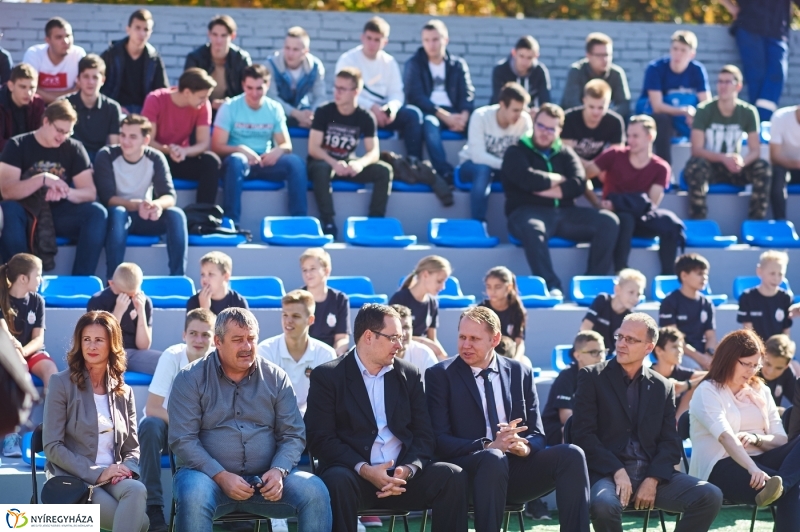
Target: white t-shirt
{"points": [[169, 364], [295, 74], [487, 142], [785, 131], [54, 77], [439, 95], [383, 83], [420, 355], [274, 350], [105, 431]]}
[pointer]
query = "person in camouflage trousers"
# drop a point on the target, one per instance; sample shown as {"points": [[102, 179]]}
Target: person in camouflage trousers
{"points": [[717, 133]]}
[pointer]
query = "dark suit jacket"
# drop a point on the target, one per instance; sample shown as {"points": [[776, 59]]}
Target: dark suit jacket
{"points": [[454, 403], [340, 425], [601, 425]]}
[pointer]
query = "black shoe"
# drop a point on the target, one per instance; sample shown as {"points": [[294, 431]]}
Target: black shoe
{"points": [[156, 516], [329, 228], [537, 509]]}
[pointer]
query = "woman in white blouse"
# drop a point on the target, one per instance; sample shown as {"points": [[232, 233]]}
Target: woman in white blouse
{"points": [[738, 441], [89, 428]]}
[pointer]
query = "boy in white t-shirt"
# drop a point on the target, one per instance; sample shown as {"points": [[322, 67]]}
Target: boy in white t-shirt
{"points": [[418, 354], [784, 154], [56, 60], [197, 333]]}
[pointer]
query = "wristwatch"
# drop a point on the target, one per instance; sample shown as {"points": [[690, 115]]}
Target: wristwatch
{"points": [[282, 471]]}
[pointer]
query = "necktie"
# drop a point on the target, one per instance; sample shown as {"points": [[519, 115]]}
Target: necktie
{"points": [[491, 405]]}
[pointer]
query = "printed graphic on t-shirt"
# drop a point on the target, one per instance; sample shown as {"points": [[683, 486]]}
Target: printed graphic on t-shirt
{"points": [[497, 146], [588, 148], [53, 81], [510, 329], [31, 317], [331, 320], [438, 83], [703, 316], [52, 167], [341, 140], [779, 314], [723, 135], [260, 128]]}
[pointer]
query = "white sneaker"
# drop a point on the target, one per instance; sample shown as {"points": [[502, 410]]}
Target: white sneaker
{"points": [[279, 525], [360, 527], [11, 446], [555, 292]]}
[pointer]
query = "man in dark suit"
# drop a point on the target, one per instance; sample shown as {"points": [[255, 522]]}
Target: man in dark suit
{"points": [[368, 425], [624, 420], [485, 414]]}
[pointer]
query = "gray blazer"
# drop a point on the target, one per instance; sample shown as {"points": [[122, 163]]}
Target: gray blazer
{"points": [[70, 434]]}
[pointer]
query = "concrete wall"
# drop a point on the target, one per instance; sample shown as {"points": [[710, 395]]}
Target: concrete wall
{"points": [[483, 41]]}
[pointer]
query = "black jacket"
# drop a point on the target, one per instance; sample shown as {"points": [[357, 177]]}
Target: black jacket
{"points": [[155, 75], [340, 425], [537, 82], [34, 112], [235, 63], [523, 172], [418, 83], [601, 425]]}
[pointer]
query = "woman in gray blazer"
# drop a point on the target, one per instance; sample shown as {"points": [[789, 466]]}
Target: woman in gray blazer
{"points": [[90, 424]]}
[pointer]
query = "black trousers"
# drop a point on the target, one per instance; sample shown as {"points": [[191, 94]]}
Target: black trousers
{"points": [[321, 174], [204, 169], [496, 478], [440, 486], [664, 131], [661, 223], [780, 177]]}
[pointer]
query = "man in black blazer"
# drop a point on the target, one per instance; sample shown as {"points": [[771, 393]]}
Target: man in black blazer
{"points": [[501, 446], [624, 420], [368, 424]]}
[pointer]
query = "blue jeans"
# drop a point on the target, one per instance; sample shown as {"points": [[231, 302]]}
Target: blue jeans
{"points": [[200, 500], [82, 222], [432, 129], [409, 123], [765, 63], [481, 177], [152, 444], [172, 223], [289, 168]]}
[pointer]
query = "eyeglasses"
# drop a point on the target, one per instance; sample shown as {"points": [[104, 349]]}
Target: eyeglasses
{"points": [[394, 338], [751, 367], [727, 82], [630, 340], [338, 88], [546, 129], [67, 132], [595, 352]]}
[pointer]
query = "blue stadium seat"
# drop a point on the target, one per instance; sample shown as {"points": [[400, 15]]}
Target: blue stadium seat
{"points": [[377, 232], [640, 242], [743, 282], [399, 186], [41, 459], [452, 135], [303, 231], [452, 297], [262, 184], [794, 188], [184, 184], [142, 241], [664, 284], [534, 294], [69, 291], [770, 233], [359, 290], [260, 292], [133, 378], [717, 188], [554, 242], [561, 358], [385, 134], [706, 234], [168, 291], [217, 240], [584, 288], [460, 233], [766, 132], [62, 241], [497, 186], [298, 132]]}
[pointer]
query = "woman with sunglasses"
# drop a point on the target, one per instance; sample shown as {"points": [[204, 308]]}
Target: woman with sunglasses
{"points": [[739, 443], [89, 428]]}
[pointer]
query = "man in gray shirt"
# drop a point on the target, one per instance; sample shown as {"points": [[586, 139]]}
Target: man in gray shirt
{"points": [[237, 435]]}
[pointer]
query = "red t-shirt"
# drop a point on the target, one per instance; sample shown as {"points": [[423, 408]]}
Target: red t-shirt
{"points": [[174, 125], [621, 177]]}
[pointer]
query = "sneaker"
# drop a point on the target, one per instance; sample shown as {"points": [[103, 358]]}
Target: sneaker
{"points": [[372, 522], [156, 515], [555, 292], [360, 527], [537, 509], [279, 525], [329, 228], [770, 493], [11, 446]]}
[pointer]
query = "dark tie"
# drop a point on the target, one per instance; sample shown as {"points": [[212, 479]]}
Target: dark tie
{"points": [[491, 405]]}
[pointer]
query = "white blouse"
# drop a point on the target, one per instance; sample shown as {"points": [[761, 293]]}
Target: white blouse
{"points": [[105, 431]]}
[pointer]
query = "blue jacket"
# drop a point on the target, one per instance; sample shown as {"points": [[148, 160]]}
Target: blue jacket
{"points": [[155, 75], [418, 83], [309, 92]]}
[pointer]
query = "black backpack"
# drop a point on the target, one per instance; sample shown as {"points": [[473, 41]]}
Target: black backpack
{"points": [[206, 219]]}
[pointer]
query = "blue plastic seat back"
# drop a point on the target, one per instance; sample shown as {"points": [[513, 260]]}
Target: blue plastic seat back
{"points": [[584, 288], [399, 186], [561, 358], [184, 184], [706, 233], [298, 132], [25, 446], [642, 242], [168, 291], [451, 287], [217, 240], [744, 282], [134, 378], [663, 285], [291, 226], [69, 291], [260, 291], [377, 232], [497, 186], [262, 184], [459, 233], [352, 284], [770, 232], [531, 285], [142, 240], [452, 135], [451, 295], [715, 188]]}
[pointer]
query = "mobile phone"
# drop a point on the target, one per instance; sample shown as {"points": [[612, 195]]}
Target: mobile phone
{"points": [[254, 481]]}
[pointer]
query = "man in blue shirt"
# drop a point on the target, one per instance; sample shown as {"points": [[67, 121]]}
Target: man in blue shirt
{"points": [[250, 133], [673, 86]]}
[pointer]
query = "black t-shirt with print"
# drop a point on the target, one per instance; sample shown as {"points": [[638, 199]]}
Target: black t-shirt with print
{"points": [[232, 299], [341, 133], [424, 314], [604, 320], [769, 315], [331, 317], [591, 142], [25, 152], [562, 395], [693, 317], [30, 315], [783, 386], [511, 322], [107, 300]]}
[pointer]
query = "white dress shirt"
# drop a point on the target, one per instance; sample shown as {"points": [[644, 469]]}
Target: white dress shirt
{"points": [[494, 378]]}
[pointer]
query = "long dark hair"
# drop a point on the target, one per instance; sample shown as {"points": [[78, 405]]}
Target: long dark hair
{"points": [[19, 265], [734, 346], [504, 275], [117, 360]]}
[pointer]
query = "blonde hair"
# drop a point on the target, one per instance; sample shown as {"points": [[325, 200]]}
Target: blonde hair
{"points": [[597, 88], [483, 315], [128, 277], [302, 297], [685, 37], [629, 275], [320, 254], [780, 345], [218, 259], [430, 264], [772, 255]]}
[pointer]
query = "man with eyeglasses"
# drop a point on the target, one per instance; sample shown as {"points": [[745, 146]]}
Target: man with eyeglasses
{"points": [[541, 178], [368, 425], [624, 420], [46, 176], [587, 349], [717, 154]]}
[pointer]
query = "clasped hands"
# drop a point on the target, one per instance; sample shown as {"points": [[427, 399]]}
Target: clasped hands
{"points": [[238, 489], [507, 439], [115, 473], [378, 476]]}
